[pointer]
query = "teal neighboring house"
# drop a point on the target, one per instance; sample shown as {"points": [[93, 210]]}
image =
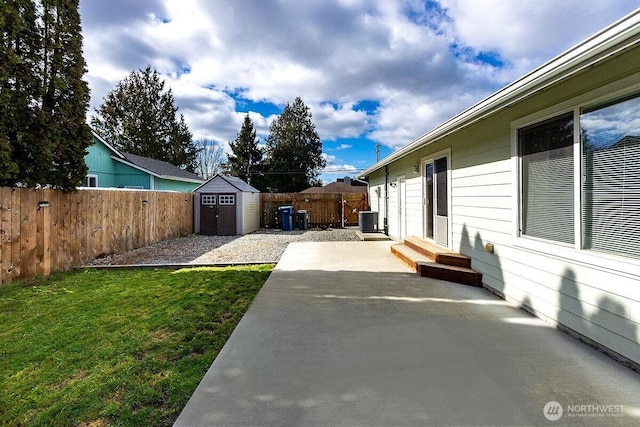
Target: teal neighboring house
{"points": [[111, 168]]}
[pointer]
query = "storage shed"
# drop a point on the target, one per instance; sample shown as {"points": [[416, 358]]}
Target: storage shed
{"points": [[226, 206]]}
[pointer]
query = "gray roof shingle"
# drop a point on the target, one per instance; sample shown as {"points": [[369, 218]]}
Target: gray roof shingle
{"points": [[160, 167]]}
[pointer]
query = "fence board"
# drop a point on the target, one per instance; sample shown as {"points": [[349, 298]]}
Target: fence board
{"points": [[5, 234], [16, 224], [75, 227], [324, 209]]}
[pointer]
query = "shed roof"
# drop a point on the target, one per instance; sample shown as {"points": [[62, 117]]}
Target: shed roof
{"points": [[619, 36], [234, 181]]}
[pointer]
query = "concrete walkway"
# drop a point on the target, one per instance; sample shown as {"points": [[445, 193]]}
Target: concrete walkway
{"points": [[344, 334]]}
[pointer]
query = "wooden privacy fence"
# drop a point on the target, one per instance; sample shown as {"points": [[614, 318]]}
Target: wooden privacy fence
{"points": [[47, 230], [324, 209]]}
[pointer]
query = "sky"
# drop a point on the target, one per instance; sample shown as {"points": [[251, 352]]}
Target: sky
{"points": [[373, 72]]}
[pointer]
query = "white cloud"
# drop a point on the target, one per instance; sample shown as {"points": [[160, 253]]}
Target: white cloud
{"points": [[527, 33], [335, 168], [333, 54], [340, 121]]}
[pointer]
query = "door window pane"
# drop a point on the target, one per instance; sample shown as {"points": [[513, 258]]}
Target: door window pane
{"points": [[428, 208], [442, 207], [208, 199], [227, 199]]}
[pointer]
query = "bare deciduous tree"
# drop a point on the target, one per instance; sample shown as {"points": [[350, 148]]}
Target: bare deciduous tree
{"points": [[210, 158]]}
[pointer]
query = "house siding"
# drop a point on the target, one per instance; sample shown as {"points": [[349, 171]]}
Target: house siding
{"points": [[99, 162], [250, 212], [126, 176], [161, 184], [598, 300]]}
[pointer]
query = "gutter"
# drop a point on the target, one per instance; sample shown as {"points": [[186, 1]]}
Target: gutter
{"points": [[617, 37]]}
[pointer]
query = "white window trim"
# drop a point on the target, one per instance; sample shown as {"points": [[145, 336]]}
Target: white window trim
{"points": [[629, 267], [91, 175]]}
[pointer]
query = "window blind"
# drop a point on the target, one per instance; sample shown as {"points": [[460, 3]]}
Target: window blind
{"points": [[611, 178], [547, 180]]}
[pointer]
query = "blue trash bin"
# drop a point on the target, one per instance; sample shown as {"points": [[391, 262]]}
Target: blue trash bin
{"points": [[286, 217]]}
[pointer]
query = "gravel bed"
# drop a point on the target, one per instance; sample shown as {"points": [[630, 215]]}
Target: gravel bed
{"points": [[266, 245]]}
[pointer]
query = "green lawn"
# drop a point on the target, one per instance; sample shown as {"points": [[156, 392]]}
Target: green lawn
{"points": [[115, 347]]}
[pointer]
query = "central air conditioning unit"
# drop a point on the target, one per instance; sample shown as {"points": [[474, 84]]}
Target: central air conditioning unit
{"points": [[368, 221]]}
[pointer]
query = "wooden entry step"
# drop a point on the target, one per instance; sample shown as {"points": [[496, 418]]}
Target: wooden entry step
{"points": [[430, 260], [437, 253]]}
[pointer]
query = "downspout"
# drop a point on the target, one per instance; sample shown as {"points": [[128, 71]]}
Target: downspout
{"points": [[386, 199]]}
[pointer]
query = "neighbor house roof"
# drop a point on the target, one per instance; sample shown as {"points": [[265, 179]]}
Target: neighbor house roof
{"points": [[619, 36], [337, 187], [158, 168]]}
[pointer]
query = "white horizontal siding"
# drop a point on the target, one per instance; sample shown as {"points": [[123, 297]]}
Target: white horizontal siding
{"points": [[251, 212], [239, 213], [196, 212], [392, 214], [377, 202], [414, 207]]}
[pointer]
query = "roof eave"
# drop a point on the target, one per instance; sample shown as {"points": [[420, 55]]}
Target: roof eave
{"points": [[109, 146], [133, 165]]}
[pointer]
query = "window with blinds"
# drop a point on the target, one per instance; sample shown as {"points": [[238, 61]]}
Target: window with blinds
{"points": [[611, 178], [547, 184]]}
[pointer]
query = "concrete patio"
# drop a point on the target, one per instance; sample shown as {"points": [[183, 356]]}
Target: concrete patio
{"points": [[342, 333]]}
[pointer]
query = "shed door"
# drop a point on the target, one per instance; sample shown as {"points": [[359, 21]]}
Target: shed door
{"points": [[208, 214], [227, 215]]}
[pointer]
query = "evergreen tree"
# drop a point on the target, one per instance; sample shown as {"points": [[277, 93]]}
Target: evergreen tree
{"points": [[246, 162], [140, 117], [43, 99], [294, 150], [18, 85], [65, 98]]}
